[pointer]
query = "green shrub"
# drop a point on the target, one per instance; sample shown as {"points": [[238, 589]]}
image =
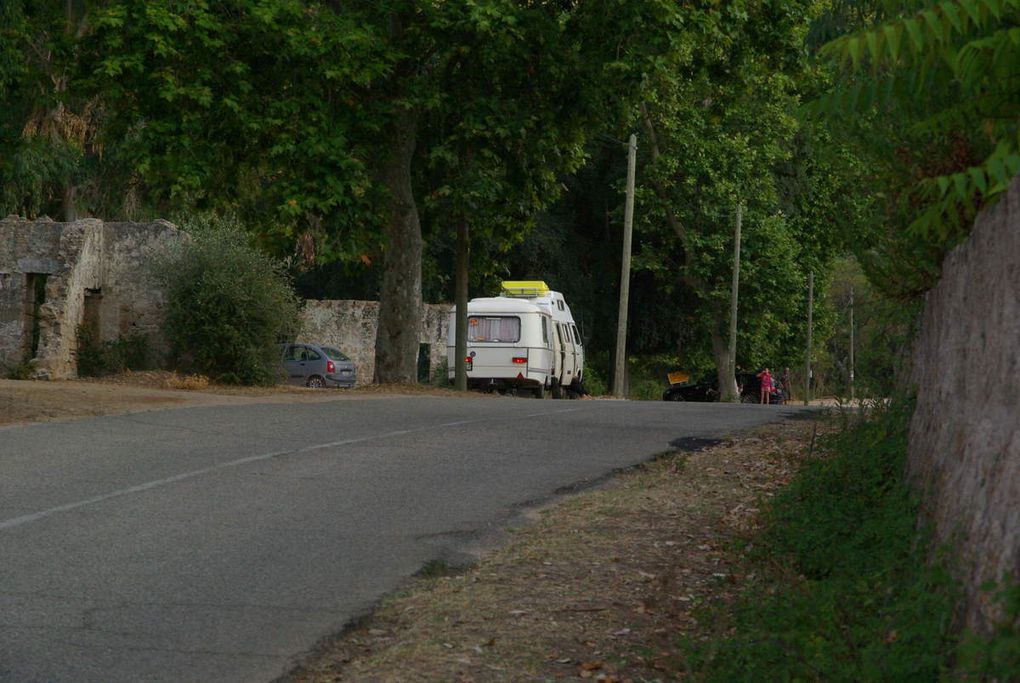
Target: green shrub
{"points": [[594, 383], [851, 594], [997, 657], [645, 389], [441, 375], [97, 358], [22, 370], [227, 304]]}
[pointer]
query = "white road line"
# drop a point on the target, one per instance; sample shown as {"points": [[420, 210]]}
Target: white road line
{"points": [[67, 507]]}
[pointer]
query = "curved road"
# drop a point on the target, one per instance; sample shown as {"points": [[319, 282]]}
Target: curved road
{"points": [[223, 543]]}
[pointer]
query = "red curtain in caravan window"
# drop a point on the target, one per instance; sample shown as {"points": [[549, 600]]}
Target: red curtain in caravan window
{"points": [[501, 329]]}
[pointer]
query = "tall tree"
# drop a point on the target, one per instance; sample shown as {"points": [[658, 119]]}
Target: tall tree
{"points": [[504, 93], [718, 131], [47, 128]]}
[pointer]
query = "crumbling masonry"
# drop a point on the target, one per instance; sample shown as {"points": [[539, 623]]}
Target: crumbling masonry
{"points": [[55, 277]]}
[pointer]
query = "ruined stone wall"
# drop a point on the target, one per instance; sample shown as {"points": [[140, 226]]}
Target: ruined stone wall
{"points": [[965, 433], [81, 252], [110, 259], [22, 251], [132, 303], [351, 327]]}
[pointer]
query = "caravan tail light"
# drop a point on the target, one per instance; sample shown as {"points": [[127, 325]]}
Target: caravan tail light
{"points": [[330, 367], [520, 360]]}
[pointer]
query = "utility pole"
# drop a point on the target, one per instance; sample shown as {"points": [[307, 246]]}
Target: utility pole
{"points": [[810, 310], [620, 370], [731, 375], [461, 303], [851, 344]]}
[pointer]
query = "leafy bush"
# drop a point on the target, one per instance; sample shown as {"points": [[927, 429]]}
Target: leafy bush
{"points": [[227, 304], [22, 370], [594, 383], [851, 594], [441, 375], [996, 658], [97, 358], [645, 390]]}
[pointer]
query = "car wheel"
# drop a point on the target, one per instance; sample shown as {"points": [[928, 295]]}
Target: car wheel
{"points": [[748, 398], [316, 382]]}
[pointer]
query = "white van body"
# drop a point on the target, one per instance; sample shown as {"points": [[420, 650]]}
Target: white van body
{"points": [[523, 340]]}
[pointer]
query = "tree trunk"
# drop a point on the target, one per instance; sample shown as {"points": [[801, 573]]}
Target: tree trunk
{"points": [[399, 332], [68, 209], [727, 381], [461, 301]]}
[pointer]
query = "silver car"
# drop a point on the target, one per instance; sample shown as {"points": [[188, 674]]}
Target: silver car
{"points": [[316, 366]]}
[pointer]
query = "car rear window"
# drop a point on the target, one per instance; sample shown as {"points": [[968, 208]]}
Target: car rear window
{"points": [[334, 353], [494, 329]]}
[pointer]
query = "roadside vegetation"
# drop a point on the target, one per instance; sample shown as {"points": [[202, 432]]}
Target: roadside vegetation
{"points": [[846, 586], [843, 587], [227, 304]]}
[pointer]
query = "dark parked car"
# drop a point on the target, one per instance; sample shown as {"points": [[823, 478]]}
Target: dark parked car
{"points": [[707, 390], [316, 366], [704, 391]]}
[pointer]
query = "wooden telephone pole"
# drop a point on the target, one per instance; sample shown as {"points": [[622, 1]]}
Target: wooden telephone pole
{"points": [[731, 375], [620, 371], [810, 310]]}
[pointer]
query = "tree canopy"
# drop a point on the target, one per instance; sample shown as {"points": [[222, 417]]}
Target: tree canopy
{"points": [[359, 139]]}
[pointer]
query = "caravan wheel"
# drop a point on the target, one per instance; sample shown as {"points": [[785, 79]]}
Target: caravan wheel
{"points": [[557, 389], [540, 391]]}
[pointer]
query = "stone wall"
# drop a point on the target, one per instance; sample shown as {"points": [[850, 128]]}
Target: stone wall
{"points": [[106, 260], [965, 433], [351, 327]]}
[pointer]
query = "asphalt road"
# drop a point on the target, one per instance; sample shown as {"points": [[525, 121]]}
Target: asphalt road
{"points": [[224, 543]]}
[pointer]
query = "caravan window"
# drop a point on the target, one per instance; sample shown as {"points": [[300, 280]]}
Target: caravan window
{"points": [[494, 329], [577, 337], [545, 331]]}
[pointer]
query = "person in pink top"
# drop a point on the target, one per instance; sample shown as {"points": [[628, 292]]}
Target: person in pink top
{"points": [[766, 385]]}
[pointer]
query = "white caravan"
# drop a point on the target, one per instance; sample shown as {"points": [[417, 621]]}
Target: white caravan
{"points": [[524, 339]]}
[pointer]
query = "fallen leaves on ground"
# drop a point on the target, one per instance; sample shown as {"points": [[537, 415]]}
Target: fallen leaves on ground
{"points": [[601, 587]]}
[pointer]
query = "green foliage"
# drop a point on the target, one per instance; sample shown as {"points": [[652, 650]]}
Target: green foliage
{"points": [[22, 370], [47, 127], [950, 66], [883, 328], [647, 376], [254, 107], [849, 594], [594, 381], [97, 358], [441, 374], [227, 305], [996, 657], [721, 129]]}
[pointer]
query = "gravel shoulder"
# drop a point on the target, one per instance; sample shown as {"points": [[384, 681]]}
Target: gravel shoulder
{"points": [[603, 585]]}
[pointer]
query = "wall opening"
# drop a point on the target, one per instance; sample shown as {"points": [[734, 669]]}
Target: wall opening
{"points": [[424, 362], [35, 297], [90, 321]]}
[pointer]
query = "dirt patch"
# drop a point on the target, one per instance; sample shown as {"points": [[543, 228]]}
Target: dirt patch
{"points": [[23, 401], [602, 586]]}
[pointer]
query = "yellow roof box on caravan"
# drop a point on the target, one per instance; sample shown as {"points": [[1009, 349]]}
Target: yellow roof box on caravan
{"points": [[525, 288]]}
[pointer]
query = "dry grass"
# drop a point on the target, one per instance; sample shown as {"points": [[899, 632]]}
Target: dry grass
{"points": [[601, 586], [186, 382]]}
